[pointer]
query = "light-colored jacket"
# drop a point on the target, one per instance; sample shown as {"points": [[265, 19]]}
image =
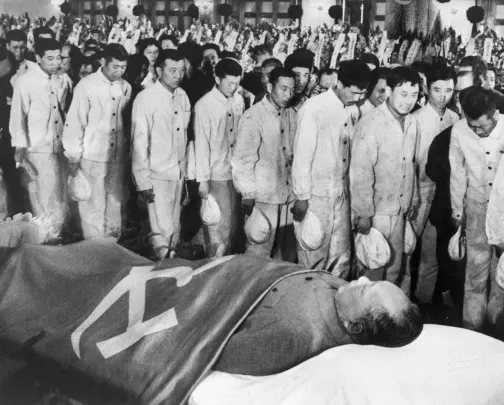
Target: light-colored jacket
{"points": [[216, 121], [382, 170], [95, 126], [321, 148], [430, 124], [38, 111], [262, 159], [159, 130], [474, 162]]}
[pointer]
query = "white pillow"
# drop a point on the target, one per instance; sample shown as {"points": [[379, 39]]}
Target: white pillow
{"points": [[444, 366]]}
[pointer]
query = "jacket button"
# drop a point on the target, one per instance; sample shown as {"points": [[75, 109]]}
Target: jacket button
{"points": [[113, 98], [229, 115], [176, 112], [287, 182], [232, 145], [488, 153], [403, 158], [178, 129], [282, 131], [112, 144], [346, 124], [344, 160], [400, 195], [489, 168], [113, 114], [309, 278], [231, 130], [55, 122], [113, 129], [345, 142], [275, 289], [286, 165], [490, 184], [284, 148]]}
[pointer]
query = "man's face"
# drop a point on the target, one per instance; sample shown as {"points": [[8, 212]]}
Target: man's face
{"points": [[350, 95], [483, 125], [379, 94], [356, 298], [114, 69], [96, 36], [50, 62], [211, 56], [85, 70], [403, 98], [283, 91], [463, 82], [172, 73], [491, 79], [441, 92], [302, 78], [328, 81], [66, 61], [151, 52], [228, 85], [265, 75], [18, 48], [167, 44]]}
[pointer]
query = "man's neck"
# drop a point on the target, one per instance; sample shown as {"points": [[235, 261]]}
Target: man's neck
{"points": [[440, 111], [272, 101], [169, 88], [220, 91], [399, 117]]}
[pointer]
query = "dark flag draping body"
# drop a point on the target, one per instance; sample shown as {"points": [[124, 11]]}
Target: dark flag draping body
{"points": [[118, 328]]}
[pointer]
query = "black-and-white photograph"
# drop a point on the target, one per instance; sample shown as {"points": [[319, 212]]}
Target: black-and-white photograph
{"points": [[251, 202]]}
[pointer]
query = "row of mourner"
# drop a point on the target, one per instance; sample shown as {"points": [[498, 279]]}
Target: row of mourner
{"points": [[340, 170]]}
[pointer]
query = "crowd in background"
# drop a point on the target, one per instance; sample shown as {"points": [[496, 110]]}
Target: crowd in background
{"points": [[94, 136]]}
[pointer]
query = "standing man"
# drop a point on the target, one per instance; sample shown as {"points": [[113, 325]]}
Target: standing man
{"points": [[216, 118], [431, 120], [320, 167], [262, 162], [301, 64], [36, 126], [161, 116], [16, 43], [95, 141], [476, 148], [382, 171]]}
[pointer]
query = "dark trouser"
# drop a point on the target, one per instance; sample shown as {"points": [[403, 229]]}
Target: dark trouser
{"points": [[15, 196], [451, 274]]}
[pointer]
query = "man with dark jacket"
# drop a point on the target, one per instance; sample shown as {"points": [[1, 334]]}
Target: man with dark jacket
{"points": [[304, 315]]}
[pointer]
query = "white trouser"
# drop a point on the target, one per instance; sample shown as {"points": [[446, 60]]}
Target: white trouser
{"points": [[47, 189], [483, 300], [334, 213], [164, 213], [103, 214], [220, 238], [428, 266], [396, 271], [282, 239]]}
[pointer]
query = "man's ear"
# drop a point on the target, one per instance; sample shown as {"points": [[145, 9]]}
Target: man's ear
{"points": [[217, 80], [496, 115], [159, 71], [103, 62], [354, 328], [269, 87], [38, 58]]}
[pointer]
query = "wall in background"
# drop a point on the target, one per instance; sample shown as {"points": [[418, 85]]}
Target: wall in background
{"points": [[34, 8]]}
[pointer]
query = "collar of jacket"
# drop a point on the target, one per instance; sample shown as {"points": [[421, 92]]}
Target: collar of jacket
{"points": [[160, 87], [333, 97], [384, 108], [272, 108], [41, 73], [221, 97]]}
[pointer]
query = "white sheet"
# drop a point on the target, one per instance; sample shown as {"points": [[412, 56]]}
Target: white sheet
{"points": [[444, 366]]}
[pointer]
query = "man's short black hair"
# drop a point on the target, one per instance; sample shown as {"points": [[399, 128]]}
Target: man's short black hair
{"points": [[228, 54], [478, 66], [263, 49], [44, 30], [228, 67], [302, 58], [91, 44], [166, 54], [271, 62], [378, 327], [171, 38], [370, 58], [326, 71], [192, 52], [279, 72], [477, 101], [210, 45], [115, 51], [402, 74], [45, 44], [491, 68], [15, 36], [421, 67], [381, 73], [354, 73], [440, 72]]}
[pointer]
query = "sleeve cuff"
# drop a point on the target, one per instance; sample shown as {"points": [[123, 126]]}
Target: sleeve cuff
{"points": [[302, 197]]}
